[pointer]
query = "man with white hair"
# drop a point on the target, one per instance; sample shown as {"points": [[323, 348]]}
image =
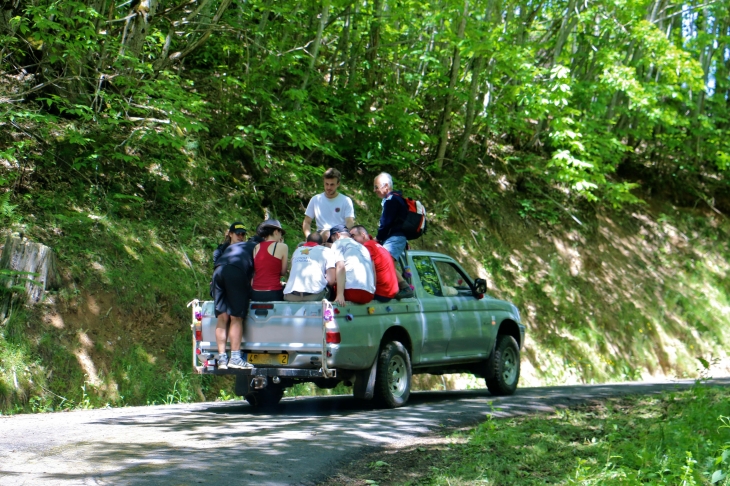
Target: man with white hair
{"points": [[390, 232]]}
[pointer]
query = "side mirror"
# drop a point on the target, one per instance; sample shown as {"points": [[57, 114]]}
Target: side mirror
{"points": [[480, 286]]}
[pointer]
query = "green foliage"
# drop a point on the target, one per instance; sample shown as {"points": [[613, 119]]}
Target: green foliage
{"points": [[676, 438]]}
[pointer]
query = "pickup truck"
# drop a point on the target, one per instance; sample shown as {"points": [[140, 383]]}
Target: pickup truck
{"points": [[449, 326]]}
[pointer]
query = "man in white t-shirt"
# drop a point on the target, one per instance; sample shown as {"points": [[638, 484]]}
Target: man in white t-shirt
{"points": [[329, 208], [354, 268], [312, 269]]}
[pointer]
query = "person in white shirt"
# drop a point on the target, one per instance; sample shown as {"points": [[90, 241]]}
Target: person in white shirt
{"points": [[329, 208], [354, 268], [312, 269]]}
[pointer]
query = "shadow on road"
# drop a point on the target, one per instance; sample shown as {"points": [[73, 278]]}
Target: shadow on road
{"points": [[299, 442]]}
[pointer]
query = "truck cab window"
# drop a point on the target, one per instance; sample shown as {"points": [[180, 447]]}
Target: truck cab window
{"points": [[429, 277], [454, 282]]}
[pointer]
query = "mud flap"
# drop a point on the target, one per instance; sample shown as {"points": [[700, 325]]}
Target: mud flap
{"points": [[488, 366], [364, 387]]}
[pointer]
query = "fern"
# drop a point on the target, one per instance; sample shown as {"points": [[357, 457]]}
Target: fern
{"points": [[7, 210]]}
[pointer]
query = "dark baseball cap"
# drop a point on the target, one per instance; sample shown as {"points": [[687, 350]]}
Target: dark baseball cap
{"points": [[339, 228], [237, 228]]}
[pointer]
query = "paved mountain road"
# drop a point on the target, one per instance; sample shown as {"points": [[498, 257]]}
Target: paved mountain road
{"points": [[229, 443]]}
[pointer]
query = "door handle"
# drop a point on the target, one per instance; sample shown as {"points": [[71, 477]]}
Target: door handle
{"points": [[454, 307]]}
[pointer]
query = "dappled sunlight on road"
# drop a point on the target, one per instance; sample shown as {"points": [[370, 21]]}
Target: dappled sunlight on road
{"points": [[225, 443]]}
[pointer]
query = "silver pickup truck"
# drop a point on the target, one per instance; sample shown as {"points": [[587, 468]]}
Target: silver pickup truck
{"points": [[450, 326]]}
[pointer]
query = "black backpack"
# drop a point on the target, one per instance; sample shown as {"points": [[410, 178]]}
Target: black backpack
{"points": [[415, 224]]}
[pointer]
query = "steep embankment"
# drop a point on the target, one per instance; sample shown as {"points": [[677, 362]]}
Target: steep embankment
{"points": [[606, 295]]}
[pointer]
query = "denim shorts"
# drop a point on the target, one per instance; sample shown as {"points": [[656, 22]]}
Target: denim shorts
{"points": [[395, 246]]}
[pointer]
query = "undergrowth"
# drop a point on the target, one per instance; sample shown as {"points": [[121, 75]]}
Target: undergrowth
{"points": [[680, 437]]}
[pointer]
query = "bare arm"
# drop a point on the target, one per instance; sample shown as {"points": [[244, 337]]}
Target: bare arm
{"points": [[331, 276], [283, 251], [307, 226], [349, 222], [340, 299]]}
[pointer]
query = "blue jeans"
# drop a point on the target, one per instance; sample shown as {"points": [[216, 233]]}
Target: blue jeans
{"points": [[395, 246]]}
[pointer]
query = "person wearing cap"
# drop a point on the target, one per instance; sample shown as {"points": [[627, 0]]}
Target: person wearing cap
{"points": [[354, 268], [390, 231], [270, 258], [231, 295], [386, 279], [312, 270], [236, 233], [329, 208]]}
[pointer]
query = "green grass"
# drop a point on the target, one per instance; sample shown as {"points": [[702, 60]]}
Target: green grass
{"points": [[676, 438]]}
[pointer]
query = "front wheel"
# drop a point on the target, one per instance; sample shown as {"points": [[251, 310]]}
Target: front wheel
{"points": [[393, 377], [504, 367]]}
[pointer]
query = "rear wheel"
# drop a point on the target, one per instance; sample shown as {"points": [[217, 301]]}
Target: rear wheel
{"points": [[393, 377], [504, 367], [265, 397]]}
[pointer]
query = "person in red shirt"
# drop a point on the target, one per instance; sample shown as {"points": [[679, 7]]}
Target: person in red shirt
{"points": [[386, 279], [269, 262]]}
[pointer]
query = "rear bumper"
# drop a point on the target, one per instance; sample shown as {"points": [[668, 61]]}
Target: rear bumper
{"points": [[283, 372]]}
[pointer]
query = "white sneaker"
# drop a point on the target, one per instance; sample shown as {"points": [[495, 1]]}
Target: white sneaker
{"points": [[238, 363]]}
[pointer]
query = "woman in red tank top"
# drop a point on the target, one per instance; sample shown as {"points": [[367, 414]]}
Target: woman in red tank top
{"points": [[269, 262]]}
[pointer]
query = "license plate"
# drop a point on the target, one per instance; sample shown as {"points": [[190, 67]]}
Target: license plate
{"points": [[268, 359]]}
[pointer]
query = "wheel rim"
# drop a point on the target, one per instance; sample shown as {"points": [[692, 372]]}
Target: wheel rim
{"points": [[509, 366], [397, 376]]}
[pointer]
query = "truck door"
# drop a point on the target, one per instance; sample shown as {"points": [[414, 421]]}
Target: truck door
{"points": [[471, 324], [434, 318]]}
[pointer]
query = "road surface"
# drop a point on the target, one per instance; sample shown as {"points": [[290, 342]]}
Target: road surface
{"points": [[229, 443]]}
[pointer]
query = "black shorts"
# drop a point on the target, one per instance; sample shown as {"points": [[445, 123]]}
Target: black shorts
{"points": [[231, 291]]}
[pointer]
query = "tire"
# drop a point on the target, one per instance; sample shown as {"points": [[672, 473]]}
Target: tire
{"points": [[268, 397], [393, 377], [504, 366]]}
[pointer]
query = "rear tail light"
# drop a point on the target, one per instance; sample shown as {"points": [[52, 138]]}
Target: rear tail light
{"points": [[198, 335], [262, 306], [333, 337], [198, 351]]}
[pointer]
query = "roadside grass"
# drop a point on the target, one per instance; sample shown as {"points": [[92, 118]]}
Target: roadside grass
{"points": [[675, 438]]}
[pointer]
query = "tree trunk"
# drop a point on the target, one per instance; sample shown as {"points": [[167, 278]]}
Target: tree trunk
{"points": [[471, 104], [567, 25], [372, 52], [28, 265], [455, 66], [137, 27], [324, 15]]}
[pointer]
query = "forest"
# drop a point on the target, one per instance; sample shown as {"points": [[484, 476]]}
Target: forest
{"points": [[574, 153]]}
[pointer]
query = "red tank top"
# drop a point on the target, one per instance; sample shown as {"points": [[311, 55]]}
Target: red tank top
{"points": [[267, 269]]}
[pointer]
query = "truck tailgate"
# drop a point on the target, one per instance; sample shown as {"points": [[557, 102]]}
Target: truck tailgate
{"points": [[274, 326]]}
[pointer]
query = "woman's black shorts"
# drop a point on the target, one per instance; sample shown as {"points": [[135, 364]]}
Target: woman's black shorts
{"points": [[231, 290]]}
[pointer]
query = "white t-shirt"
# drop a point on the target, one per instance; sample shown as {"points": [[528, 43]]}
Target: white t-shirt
{"points": [[309, 265], [358, 264], [328, 212]]}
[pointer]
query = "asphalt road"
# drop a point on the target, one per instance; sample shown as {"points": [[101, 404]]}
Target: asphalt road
{"points": [[229, 443]]}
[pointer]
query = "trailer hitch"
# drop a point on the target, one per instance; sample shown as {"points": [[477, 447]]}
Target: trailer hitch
{"points": [[259, 382]]}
